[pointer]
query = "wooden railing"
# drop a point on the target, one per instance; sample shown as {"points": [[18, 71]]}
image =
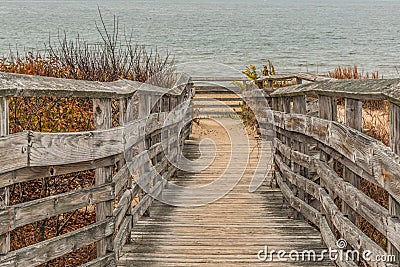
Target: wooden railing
{"points": [[31, 155], [320, 162]]}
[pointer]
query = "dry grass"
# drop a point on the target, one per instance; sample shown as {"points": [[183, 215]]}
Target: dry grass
{"points": [[375, 123], [352, 72], [114, 58]]}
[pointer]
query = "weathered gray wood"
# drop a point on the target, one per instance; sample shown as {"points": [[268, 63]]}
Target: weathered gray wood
{"points": [[354, 236], [5, 191], [29, 173], [40, 209], [27, 85], [298, 157], [356, 89], [331, 242], [327, 107], [353, 119], [327, 110], [228, 231], [14, 152], [305, 184], [299, 205], [144, 112], [121, 238], [299, 107], [55, 247], [354, 198], [102, 111], [67, 148], [394, 206]]}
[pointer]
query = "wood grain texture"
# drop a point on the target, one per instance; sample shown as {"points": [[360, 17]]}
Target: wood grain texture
{"points": [[36, 210], [229, 231], [363, 151], [5, 191], [27, 85], [353, 119], [381, 89], [102, 111], [394, 205], [14, 152], [55, 247]]}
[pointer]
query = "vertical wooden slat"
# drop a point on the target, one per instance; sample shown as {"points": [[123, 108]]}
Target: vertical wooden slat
{"points": [[144, 111], [327, 107], [286, 103], [394, 206], [327, 110], [353, 119], [4, 192], [299, 107], [102, 111]]}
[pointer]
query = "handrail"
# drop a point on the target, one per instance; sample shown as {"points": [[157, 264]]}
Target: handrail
{"points": [[309, 149], [301, 75], [31, 155], [382, 89], [28, 85]]}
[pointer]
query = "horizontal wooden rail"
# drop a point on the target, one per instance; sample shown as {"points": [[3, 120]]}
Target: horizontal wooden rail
{"points": [[384, 89], [320, 163], [28, 85], [154, 140], [301, 75]]}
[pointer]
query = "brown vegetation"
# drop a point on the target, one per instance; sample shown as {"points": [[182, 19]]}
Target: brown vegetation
{"points": [[74, 59]]}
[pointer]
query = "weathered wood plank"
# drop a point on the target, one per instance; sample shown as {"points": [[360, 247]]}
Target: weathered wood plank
{"points": [[296, 156], [14, 152], [40, 209], [353, 119], [299, 205], [55, 247], [357, 89], [327, 108], [354, 236], [367, 153], [67, 148], [29, 173], [102, 110], [331, 242], [28, 85], [123, 235], [374, 213], [305, 184], [394, 205], [5, 191]]}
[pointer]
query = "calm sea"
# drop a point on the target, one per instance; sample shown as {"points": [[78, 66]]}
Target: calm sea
{"points": [[307, 35]]}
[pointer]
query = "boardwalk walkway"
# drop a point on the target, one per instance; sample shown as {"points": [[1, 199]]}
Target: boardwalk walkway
{"points": [[227, 232]]}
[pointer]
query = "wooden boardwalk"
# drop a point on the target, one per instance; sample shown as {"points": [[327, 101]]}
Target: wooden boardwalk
{"points": [[227, 232]]}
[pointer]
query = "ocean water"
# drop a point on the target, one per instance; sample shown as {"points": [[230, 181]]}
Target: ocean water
{"points": [[206, 36]]}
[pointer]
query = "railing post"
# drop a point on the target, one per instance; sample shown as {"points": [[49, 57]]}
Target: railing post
{"points": [[353, 119], [394, 206], [300, 107], [102, 111], [327, 110], [144, 111], [4, 192]]}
